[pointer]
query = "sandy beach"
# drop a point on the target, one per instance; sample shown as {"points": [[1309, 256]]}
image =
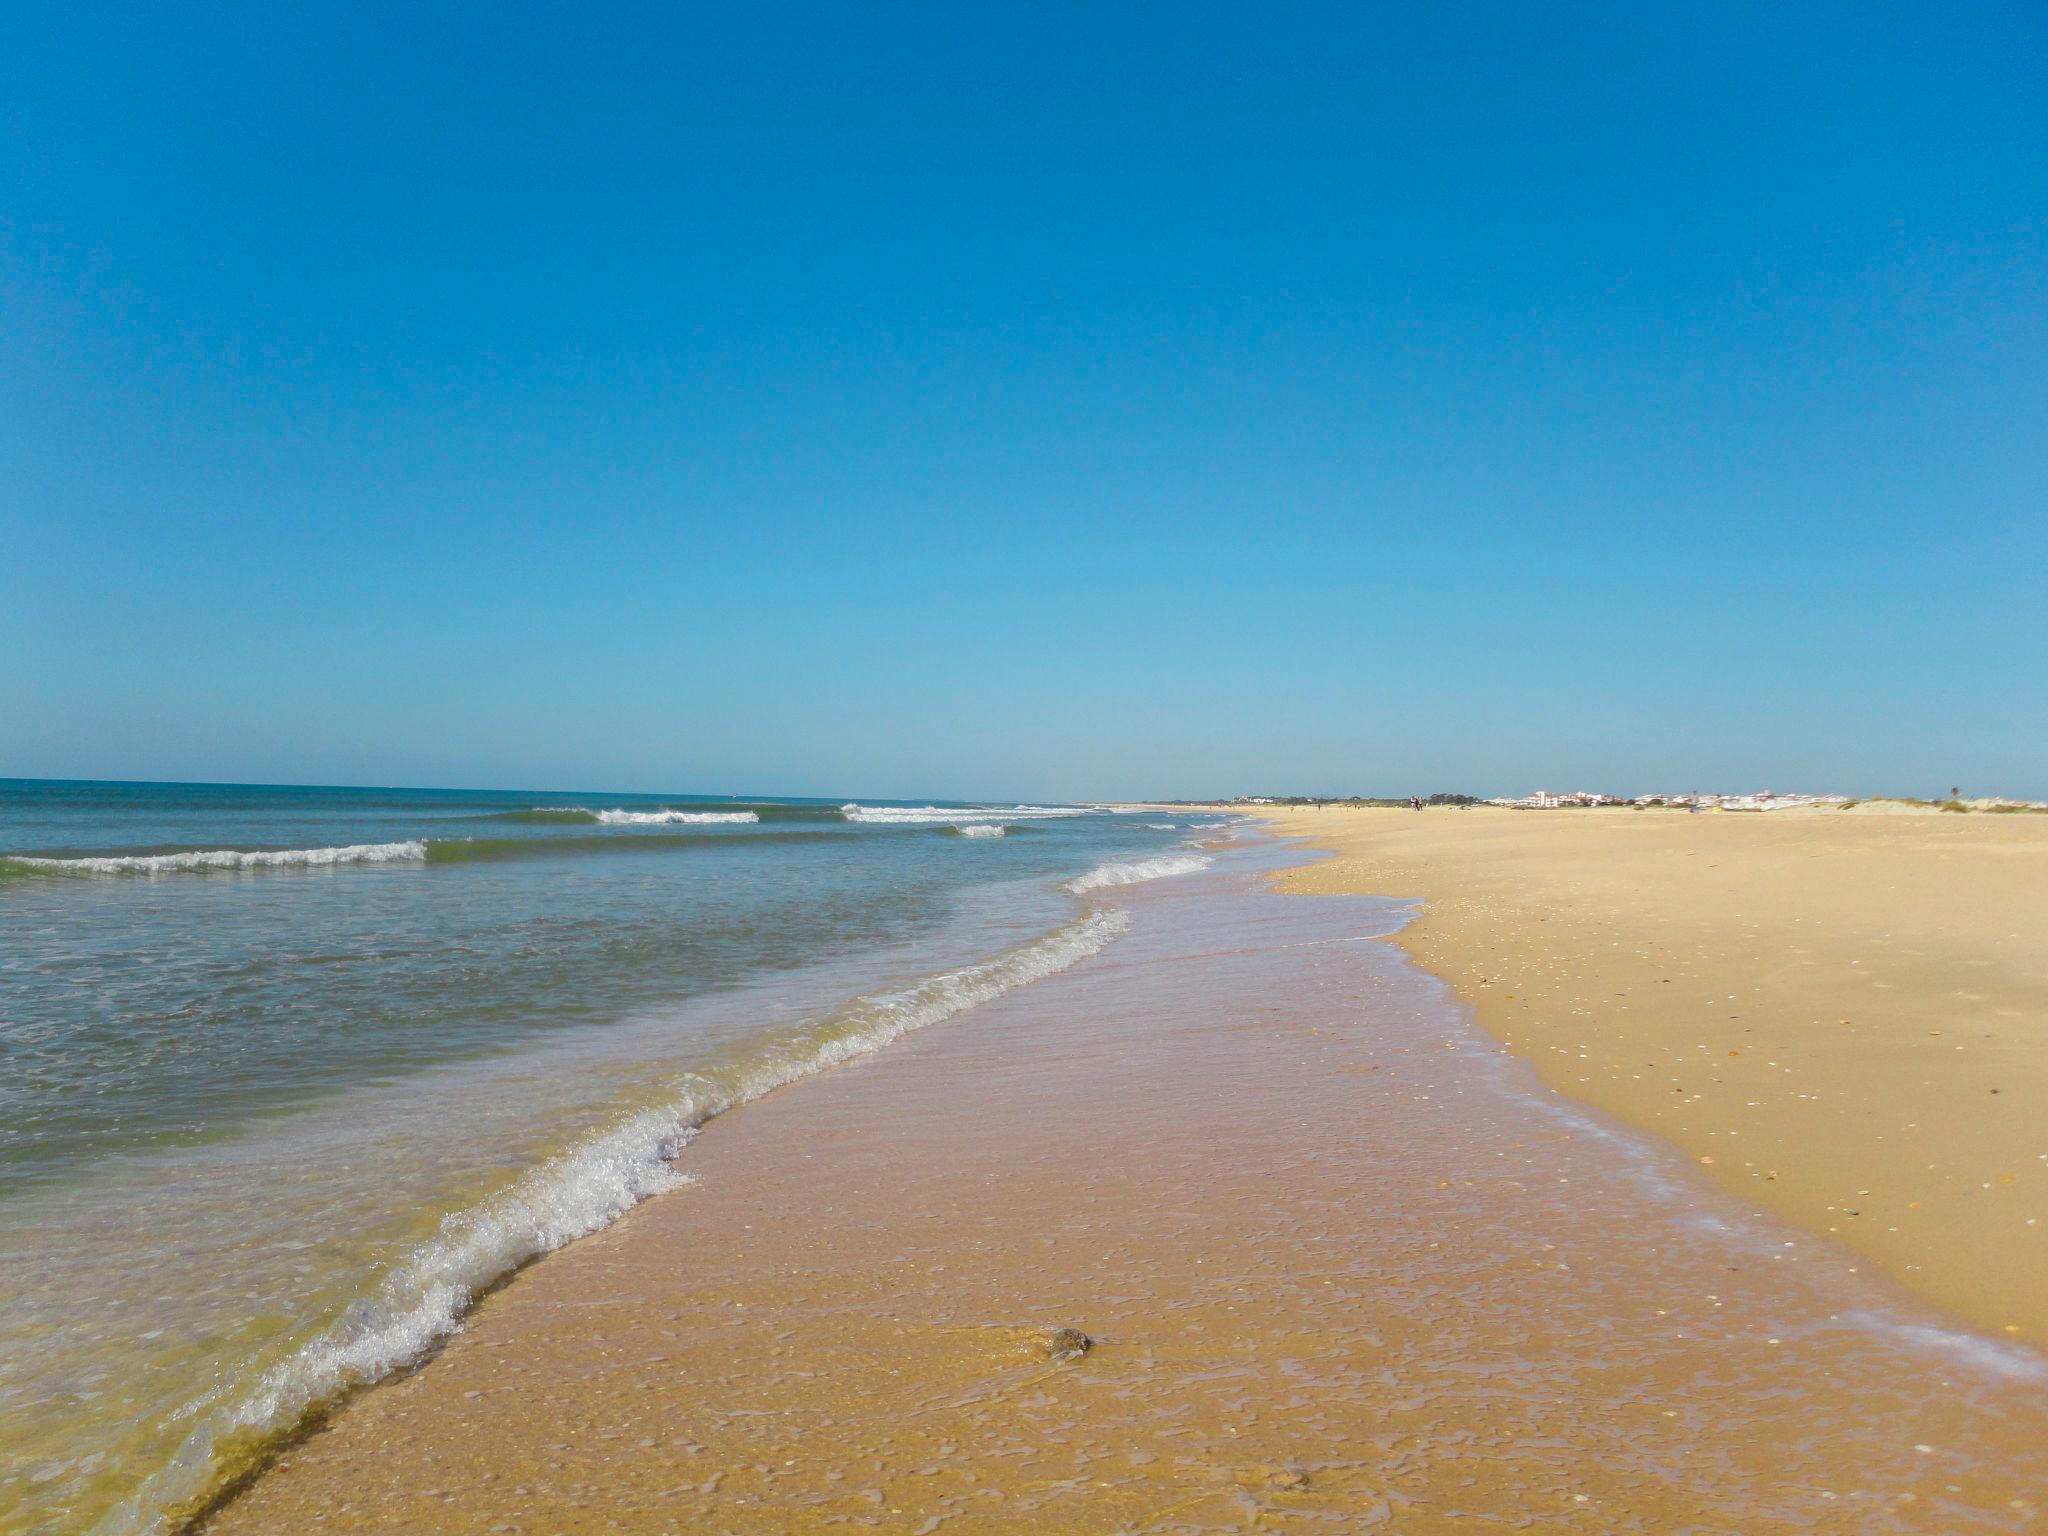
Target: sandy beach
{"points": [[1842, 1016], [1340, 1258], [653, 656]]}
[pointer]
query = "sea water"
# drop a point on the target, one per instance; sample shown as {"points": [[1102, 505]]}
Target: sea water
{"points": [[288, 1075]]}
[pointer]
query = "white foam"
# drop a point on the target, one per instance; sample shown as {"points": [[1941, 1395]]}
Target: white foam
{"points": [[1141, 869], [676, 818], [228, 858], [941, 815], [2011, 1361], [983, 829], [1162, 826], [424, 1298]]}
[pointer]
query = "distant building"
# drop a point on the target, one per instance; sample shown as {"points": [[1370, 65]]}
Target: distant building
{"points": [[1552, 799]]}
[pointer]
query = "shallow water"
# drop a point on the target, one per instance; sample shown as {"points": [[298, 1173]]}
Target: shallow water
{"points": [[1348, 1265], [289, 1073]]}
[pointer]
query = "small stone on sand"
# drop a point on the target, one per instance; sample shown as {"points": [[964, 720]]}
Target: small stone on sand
{"points": [[1062, 1344]]}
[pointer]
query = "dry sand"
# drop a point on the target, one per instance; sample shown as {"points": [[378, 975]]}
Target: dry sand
{"points": [[1843, 1017]]}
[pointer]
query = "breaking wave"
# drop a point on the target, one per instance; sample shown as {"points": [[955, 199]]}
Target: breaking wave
{"points": [[674, 818], [720, 811], [579, 816], [940, 815], [980, 829], [429, 851], [481, 850], [1140, 869], [424, 1297], [216, 858]]}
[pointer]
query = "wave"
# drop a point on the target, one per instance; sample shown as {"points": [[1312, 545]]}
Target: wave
{"points": [[428, 851], [742, 812], [424, 1297], [675, 818], [940, 815], [482, 850], [980, 829], [200, 859], [577, 816], [1141, 869]]}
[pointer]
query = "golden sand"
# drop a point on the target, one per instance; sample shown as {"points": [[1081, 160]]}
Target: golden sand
{"points": [[1339, 1273], [1841, 1016]]}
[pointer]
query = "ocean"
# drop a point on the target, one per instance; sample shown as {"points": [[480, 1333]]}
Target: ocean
{"points": [[288, 1075]]}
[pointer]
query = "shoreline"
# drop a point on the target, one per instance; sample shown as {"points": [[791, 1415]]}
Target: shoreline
{"points": [[1841, 1018], [842, 1318], [407, 1312]]}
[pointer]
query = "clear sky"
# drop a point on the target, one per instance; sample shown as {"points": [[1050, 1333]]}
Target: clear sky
{"points": [[1044, 400]]}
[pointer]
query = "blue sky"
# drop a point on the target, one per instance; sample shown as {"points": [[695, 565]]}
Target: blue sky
{"points": [[1047, 400]]}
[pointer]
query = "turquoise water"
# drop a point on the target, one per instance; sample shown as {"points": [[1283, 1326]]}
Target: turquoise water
{"points": [[286, 1074]]}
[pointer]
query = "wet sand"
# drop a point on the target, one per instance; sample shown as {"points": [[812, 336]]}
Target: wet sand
{"points": [[1345, 1263], [1841, 1016]]}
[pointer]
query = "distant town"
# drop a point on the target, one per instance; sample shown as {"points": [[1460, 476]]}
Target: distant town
{"points": [[1764, 800], [1553, 800]]}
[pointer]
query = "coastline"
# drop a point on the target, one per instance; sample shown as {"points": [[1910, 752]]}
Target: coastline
{"points": [[1842, 1018], [1337, 1260], [353, 1094]]}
